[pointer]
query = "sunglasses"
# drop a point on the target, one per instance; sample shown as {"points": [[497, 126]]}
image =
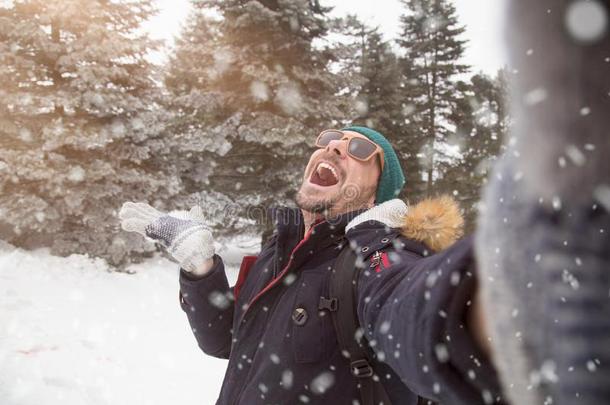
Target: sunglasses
{"points": [[360, 149]]}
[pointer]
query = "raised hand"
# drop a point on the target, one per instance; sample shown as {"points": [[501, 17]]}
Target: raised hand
{"points": [[184, 234]]}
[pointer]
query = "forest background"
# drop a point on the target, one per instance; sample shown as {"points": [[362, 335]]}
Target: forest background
{"points": [[88, 120]]}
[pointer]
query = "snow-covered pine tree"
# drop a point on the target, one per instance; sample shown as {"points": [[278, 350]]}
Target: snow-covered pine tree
{"points": [[347, 48], [382, 85], [388, 102], [264, 88], [379, 95], [77, 124], [480, 114], [372, 91], [432, 47], [196, 139]]}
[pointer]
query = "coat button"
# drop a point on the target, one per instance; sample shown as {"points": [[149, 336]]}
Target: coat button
{"points": [[299, 316]]}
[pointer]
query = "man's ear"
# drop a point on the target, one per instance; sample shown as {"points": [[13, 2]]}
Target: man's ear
{"points": [[378, 158]]}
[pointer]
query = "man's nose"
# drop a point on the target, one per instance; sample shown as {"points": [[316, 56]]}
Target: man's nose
{"points": [[339, 147]]}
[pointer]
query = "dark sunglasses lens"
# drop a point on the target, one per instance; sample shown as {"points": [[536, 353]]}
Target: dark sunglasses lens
{"points": [[361, 148], [328, 136]]}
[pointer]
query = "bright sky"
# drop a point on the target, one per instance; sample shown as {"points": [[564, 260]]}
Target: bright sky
{"points": [[485, 51]]}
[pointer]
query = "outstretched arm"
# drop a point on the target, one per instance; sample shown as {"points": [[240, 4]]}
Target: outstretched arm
{"points": [[415, 312]]}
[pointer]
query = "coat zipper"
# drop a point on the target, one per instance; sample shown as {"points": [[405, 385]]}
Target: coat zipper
{"points": [[271, 285], [281, 274]]}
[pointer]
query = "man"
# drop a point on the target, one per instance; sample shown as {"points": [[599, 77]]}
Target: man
{"points": [[414, 306]]}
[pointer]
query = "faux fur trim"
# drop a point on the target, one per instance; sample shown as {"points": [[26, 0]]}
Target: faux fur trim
{"points": [[435, 222]]}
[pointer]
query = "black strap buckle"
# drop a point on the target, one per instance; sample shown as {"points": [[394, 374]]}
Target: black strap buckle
{"points": [[361, 369], [330, 304]]}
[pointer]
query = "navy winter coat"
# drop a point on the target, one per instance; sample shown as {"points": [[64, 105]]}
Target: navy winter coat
{"points": [[282, 348]]}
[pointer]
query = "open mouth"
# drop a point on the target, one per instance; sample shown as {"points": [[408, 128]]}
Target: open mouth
{"points": [[324, 175]]}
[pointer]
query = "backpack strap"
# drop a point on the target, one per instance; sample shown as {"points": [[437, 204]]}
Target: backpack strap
{"points": [[343, 309], [343, 288]]}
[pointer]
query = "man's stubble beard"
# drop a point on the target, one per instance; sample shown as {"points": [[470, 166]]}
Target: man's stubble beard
{"points": [[349, 197], [316, 205]]}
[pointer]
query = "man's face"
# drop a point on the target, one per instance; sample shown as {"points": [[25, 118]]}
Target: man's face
{"points": [[335, 183]]}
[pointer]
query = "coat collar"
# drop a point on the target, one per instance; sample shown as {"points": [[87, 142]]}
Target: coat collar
{"points": [[290, 230], [435, 222], [290, 224]]}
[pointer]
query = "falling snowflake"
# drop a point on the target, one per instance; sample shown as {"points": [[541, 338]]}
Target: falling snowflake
{"points": [[219, 300], [602, 194], [223, 59], [76, 174], [575, 155], [259, 90], [117, 128], [25, 135], [536, 96], [361, 106], [586, 21], [385, 327], [442, 354], [289, 98], [287, 379]]}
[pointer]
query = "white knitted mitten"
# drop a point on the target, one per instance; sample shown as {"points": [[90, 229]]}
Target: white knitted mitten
{"points": [[182, 233]]}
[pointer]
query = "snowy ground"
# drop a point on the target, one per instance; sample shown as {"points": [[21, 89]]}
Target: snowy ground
{"points": [[72, 333]]}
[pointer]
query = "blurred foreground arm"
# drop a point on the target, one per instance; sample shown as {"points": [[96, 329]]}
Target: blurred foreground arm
{"points": [[544, 234]]}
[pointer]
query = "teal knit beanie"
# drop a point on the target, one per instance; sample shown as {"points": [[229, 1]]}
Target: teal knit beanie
{"points": [[392, 178]]}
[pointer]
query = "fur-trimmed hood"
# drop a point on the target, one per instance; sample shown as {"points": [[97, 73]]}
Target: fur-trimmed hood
{"points": [[435, 222]]}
